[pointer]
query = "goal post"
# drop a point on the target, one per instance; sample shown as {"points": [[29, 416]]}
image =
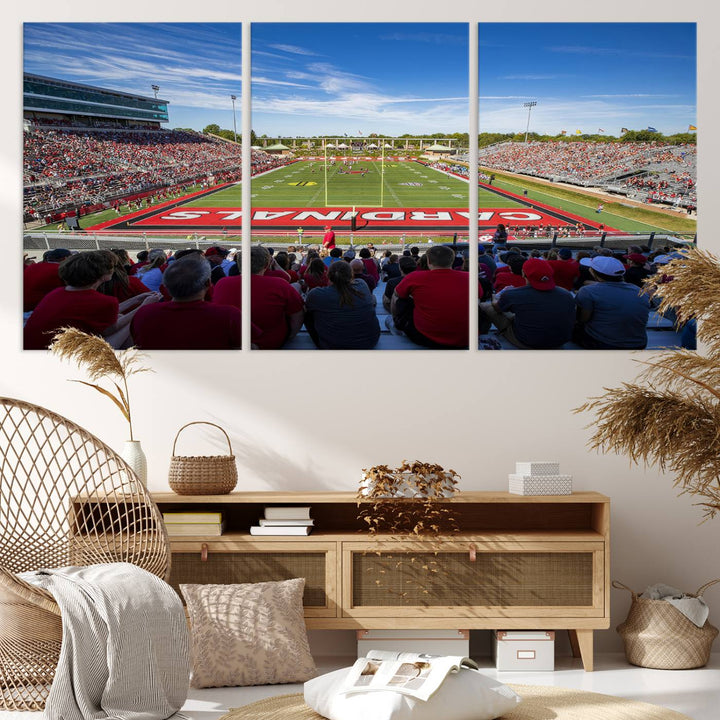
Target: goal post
{"points": [[333, 174]]}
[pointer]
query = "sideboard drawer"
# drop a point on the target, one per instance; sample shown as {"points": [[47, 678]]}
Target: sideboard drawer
{"points": [[250, 562], [497, 579]]}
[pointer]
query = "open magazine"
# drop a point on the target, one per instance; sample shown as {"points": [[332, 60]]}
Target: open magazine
{"points": [[404, 672]]}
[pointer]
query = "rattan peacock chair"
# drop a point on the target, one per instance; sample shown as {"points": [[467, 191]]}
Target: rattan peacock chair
{"points": [[65, 499]]}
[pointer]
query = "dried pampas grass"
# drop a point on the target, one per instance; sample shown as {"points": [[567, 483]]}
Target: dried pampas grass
{"points": [[98, 358], [670, 416]]}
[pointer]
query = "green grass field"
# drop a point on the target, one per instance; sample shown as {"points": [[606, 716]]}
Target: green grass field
{"points": [[302, 184]]}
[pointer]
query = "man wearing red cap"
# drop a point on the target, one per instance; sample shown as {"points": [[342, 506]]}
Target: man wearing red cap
{"points": [[329, 238], [537, 316], [215, 256]]}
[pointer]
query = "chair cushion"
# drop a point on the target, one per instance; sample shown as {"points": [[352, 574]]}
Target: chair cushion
{"points": [[248, 634]]}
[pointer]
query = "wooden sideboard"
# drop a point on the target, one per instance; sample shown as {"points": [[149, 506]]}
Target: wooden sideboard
{"points": [[516, 562]]}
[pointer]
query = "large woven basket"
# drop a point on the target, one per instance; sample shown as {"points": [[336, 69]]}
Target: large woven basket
{"points": [[204, 474], [658, 635]]}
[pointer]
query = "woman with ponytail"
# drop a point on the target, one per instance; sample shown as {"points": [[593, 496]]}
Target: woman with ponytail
{"points": [[342, 315]]}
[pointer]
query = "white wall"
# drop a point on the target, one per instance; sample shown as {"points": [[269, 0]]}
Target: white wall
{"points": [[311, 421]]}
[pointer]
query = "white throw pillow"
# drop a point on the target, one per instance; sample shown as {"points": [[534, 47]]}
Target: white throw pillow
{"points": [[466, 695]]}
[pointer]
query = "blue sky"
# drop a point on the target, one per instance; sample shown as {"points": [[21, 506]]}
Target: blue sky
{"points": [[196, 65], [326, 78], [587, 76]]}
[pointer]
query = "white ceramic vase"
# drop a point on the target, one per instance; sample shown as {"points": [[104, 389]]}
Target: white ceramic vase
{"points": [[134, 456]]}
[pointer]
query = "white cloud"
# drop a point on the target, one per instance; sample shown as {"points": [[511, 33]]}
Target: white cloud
{"points": [[553, 115], [292, 49], [256, 80]]}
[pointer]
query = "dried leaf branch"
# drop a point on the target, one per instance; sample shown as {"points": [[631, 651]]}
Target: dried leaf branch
{"points": [[101, 362], [670, 416], [426, 513]]}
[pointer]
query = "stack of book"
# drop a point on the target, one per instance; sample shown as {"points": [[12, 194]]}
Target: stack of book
{"points": [[286, 520], [183, 524], [539, 478]]}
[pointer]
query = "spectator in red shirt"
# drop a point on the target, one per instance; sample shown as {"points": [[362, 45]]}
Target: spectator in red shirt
{"points": [[512, 276], [329, 238], [40, 278], [80, 305], [566, 271], [187, 322], [276, 308], [440, 296], [371, 264], [316, 275], [359, 273]]}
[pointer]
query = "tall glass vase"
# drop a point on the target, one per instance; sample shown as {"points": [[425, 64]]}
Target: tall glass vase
{"points": [[134, 456]]}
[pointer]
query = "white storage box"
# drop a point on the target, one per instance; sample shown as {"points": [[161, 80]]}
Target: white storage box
{"points": [[430, 642], [537, 467], [540, 485], [524, 650]]}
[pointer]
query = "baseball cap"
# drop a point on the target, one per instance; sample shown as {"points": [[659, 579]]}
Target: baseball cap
{"points": [[662, 259], [539, 274], [637, 258], [216, 250], [565, 253], [609, 266]]}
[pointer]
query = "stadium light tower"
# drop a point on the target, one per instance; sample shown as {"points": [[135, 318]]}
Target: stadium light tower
{"points": [[529, 105], [234, 98], [155, 89]]}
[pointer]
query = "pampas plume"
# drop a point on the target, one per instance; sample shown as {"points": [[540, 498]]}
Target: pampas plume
{"points": [[670, 416], [101, 362]]}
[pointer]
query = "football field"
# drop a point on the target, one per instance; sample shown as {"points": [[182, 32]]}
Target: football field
{"points": [[360, 183], [389, 198]]}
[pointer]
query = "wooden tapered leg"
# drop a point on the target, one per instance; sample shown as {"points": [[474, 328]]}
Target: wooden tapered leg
{"points": [[574, 643], [581, 642]]}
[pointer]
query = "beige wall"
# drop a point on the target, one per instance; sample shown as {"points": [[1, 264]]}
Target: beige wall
{"points": [[311, 421]]}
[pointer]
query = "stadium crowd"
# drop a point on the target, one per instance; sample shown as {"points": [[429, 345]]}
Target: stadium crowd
{"points": [[584, 162], [70, 169], [596, 299], [192, 299]]}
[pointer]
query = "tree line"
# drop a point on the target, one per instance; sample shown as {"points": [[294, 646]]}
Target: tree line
{"points": [[462, 140], [485, 139]]}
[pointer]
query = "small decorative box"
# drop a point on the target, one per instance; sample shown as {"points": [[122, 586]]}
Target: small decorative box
{"points": [[540, 485], [524, 650], [536, 467], [429, 642]]}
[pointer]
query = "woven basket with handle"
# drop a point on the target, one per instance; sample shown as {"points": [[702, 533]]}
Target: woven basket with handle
{"points": [[658, 635], [204, 474]]}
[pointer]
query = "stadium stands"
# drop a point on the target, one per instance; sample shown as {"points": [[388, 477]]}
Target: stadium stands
{"points": [[69, 168], [616, 167]]}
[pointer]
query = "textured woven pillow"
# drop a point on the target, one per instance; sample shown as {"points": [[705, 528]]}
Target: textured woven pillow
{"points": [[466, 695], [250, 634]]}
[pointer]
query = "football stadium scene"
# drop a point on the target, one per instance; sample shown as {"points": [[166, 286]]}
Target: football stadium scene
{"points": [[370, 123], [121, 124], [596, 139], [360, 184]]}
